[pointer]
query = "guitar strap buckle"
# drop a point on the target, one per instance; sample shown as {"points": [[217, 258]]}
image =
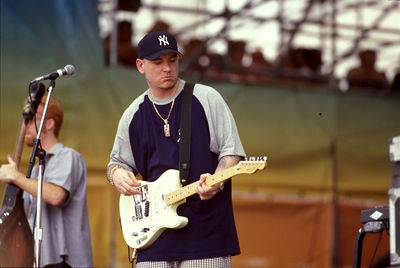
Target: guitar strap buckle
{"points": [[184, 172]]}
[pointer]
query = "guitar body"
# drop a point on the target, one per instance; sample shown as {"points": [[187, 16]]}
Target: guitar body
{"points": [[144, 217], [16, 240]]}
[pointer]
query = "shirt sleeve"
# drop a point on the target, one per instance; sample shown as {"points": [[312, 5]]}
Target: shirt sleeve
{"points": [[224, 135], [65, 169], [121, 153]]}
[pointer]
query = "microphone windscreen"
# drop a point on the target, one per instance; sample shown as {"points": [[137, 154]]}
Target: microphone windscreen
{"points": [[69, 69]]}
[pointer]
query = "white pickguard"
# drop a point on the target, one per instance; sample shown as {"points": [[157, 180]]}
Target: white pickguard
{"points": [[144, 217]]}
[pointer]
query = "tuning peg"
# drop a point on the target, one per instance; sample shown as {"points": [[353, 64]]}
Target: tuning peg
{"points": [[255, 159]]}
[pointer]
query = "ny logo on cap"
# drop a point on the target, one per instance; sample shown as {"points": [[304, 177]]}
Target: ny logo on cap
{"points": [[163, 40]]}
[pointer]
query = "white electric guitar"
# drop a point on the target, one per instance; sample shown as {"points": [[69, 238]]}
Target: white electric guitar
{"points": [[145, 216]]}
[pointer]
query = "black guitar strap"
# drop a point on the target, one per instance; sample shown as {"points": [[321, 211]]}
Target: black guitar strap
{"points": [[184, 143]]}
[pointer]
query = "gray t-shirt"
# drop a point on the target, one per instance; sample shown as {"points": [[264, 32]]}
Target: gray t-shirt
{"points": [[65, 228]]}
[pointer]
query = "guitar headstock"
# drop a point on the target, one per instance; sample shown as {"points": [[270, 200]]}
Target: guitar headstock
{"points": [[252, 164]]}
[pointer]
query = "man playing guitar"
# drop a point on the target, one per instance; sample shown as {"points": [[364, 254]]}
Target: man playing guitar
{"points": [[147, 142]]}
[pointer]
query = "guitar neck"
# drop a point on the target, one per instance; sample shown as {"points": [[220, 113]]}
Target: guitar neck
{"points": [[20, 142], [190, 189]]}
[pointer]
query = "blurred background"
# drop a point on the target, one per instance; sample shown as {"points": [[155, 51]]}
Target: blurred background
{"points": [[313, 84]]}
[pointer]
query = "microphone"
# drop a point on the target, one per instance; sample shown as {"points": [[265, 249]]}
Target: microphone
{"points": [[67, 70]]}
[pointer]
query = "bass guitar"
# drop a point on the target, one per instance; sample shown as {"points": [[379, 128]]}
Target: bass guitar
{"points": [[145, 216], [16, 239]]}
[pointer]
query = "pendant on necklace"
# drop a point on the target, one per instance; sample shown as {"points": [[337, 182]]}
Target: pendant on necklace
{"points": [[166, 129]]}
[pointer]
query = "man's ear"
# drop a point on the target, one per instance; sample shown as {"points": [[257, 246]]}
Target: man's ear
{"points": [[50, 124], [139, 65]]}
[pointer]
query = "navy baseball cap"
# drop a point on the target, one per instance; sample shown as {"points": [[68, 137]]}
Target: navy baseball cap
{"points": [[156, 44]]}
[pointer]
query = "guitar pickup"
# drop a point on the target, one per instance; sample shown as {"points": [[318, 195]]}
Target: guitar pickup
{"points": [[146, 208]]}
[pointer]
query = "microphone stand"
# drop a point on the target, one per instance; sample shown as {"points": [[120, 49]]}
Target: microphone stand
{"points": [[40, 153]]}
